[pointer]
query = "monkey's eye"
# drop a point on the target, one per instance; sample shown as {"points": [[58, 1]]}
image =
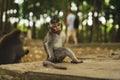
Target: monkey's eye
{"points": [[52, 26], [59, 24]]}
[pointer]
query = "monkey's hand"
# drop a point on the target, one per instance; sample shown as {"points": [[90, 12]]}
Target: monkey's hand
{"points": [[26, 51], [51, 59]]}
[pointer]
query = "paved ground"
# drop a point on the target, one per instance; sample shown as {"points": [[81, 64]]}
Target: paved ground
{"points": [[102, 67]]}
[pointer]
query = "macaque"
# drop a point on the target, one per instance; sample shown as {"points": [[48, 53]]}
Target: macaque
{"points": [[11, 48], [54, 46]]}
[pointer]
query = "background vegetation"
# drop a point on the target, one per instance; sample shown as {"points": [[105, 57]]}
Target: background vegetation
{"points": [[99, 19]]}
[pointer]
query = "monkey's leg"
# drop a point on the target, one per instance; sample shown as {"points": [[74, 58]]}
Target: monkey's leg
{"points": [[70, 54], [59, 55]]}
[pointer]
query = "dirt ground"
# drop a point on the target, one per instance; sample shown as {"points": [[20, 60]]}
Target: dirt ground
{"points": [[99, 63], [37, 52]]}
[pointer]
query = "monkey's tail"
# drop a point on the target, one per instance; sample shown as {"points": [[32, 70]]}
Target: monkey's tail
{"points": [[53, 65]]}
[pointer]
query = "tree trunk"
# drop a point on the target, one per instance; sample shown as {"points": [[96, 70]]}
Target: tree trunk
{"points": [[1, 15], [34, 18]]}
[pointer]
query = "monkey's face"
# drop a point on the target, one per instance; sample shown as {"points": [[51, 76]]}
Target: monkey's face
{"points": [[56, 27]]}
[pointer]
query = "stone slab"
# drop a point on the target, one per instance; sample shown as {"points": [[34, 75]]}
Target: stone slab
{"points": [[89, 70]]}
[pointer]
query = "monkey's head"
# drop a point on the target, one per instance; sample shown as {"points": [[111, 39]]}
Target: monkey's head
{"points": [[16, 32], [11, 35], [55, 25]]}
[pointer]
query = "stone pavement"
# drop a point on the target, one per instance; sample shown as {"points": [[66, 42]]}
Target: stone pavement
{"points": [[95, 67]]}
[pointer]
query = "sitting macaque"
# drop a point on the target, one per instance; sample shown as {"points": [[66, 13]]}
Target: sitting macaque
{"points": [[54, 46], [11, 48]]}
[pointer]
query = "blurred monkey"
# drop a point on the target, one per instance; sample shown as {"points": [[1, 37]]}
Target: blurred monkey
{"points": [[11, 48]]}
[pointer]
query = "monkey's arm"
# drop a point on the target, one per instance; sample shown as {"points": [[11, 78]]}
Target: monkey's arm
{"points": [[48, 46], [63, 37]]}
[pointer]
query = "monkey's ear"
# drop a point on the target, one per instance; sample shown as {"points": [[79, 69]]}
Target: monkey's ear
{"points": [[49, 27]]}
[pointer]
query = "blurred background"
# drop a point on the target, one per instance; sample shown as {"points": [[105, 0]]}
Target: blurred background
{"points": [[99, 19]]}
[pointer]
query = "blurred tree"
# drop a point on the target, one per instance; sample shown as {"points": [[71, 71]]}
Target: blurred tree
{"points": [[115, 11], [95, 32], [1, 13]]}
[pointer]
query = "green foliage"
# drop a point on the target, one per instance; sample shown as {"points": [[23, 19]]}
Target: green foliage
{"points": [[23, 28], [42, 31], [52, 7], [116, 10]]}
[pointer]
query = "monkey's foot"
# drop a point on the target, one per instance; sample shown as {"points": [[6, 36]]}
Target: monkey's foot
{"points": [[76, 62]]}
